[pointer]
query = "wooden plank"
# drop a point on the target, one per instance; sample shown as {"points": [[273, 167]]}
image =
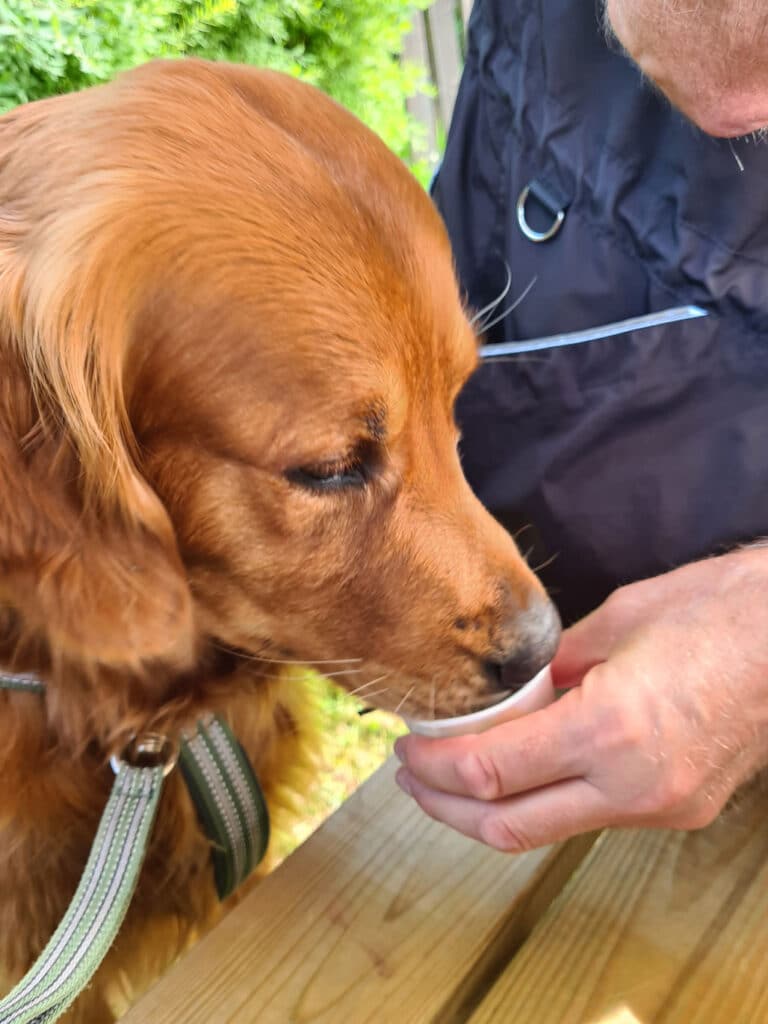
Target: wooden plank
{"points": [[466, 11], [654, 928], [382, 916], [421, 106], [446, 54]]}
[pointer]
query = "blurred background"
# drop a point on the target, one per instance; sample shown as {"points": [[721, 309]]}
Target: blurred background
{"points": [[394, 63]]}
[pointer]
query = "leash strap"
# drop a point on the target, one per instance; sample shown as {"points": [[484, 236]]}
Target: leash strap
{"points": [[228, 800], [96, 912], [232, 812], [22, 684]]}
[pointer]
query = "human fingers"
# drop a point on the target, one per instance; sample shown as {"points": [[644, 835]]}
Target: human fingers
{"points": [[519, 823], [530, 752], [594, 638]]}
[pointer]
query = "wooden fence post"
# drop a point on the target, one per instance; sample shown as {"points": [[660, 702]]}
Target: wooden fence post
{"points": [[436, 42]]}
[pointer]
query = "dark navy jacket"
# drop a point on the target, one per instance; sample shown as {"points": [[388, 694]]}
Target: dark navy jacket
{"points": [[629, 454]]}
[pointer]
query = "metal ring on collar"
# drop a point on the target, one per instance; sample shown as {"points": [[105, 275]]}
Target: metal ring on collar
{"points": [[149, 750], [536, 236]]}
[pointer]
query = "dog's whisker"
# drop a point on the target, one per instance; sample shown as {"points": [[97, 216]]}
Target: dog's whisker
{"points": [[371, 682], [279, 677], [433, 698], [519, 533], [325, 675], [376, 693], [545, 563], [285, 661], [341, 672], [494, 303], [334, 661], [405, 698], [272, 679], [304, 661], [502, 316]]}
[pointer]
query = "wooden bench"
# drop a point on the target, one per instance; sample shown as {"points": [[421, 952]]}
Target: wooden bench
{"points": [[385, 917]]}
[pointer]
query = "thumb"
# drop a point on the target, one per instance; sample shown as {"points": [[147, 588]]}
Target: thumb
{"points": [[584, 645]]}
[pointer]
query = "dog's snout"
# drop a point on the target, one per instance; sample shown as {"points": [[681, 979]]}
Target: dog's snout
{"points": [[493, 671], [537, 635]]}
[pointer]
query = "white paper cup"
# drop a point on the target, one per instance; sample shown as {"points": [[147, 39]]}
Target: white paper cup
{"points": [[534, 696]]}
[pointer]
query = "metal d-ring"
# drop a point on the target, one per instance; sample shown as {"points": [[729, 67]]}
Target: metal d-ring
{"points": [[536, 236], [148, 750]]}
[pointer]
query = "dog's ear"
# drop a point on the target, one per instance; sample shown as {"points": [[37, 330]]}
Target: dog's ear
{"points": [[86, 592], [89, 569]]}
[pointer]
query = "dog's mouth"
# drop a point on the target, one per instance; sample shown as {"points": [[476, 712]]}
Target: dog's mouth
{"points": [[490, 700], [481, 703], [228, 658], [435, 714]]}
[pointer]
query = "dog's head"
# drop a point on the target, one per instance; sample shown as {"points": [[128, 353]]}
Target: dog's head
{"points": [[231, 342]]}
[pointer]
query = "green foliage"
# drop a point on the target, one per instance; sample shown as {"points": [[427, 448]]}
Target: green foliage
{"points": [[355, 747], [348, 48]]}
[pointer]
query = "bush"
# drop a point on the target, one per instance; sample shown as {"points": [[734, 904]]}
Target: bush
{"points": [[349, 48]]}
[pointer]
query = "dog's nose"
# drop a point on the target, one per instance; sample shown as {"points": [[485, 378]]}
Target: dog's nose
{"points": [[537, 635]]}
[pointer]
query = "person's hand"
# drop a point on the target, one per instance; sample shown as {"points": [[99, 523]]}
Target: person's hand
{"points": [[666, 714]]}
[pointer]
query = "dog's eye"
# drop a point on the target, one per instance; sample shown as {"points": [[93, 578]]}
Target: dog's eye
{"points": [[330, 476]]}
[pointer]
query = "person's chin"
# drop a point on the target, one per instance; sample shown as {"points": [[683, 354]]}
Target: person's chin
{"points": [[724, 114], [726, 124], [725, 111]]}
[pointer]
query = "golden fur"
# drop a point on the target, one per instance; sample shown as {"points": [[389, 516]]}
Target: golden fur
{"points": [[230, 343]]}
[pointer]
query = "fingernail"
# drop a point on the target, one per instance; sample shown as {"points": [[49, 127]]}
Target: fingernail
{"points": [[399, 750], [403, 781]]}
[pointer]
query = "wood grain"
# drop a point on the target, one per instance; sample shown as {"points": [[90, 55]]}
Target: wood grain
{"points": [[654, 928], [447, 55], [382, 916]]}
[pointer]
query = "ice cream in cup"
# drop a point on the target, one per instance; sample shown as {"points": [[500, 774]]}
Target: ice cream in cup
{"points": [[532, 696]]}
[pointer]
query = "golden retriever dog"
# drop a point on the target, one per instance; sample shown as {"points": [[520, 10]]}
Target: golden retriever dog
{"points": [[230, 343]]}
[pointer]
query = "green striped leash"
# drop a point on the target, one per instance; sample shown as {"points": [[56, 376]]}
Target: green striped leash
{"points": [[232, 812], [228, 800]]}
